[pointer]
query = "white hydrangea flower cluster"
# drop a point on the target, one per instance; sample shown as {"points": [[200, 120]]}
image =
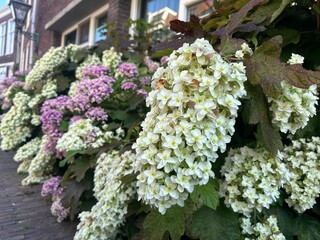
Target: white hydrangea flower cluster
{"points": [[90, 60], [28, 150], [73, 88], [14, 127], [296, 59], [53, 58], [35, 120], [104, 219], [262, 231], [49, 90], [72, 50], [251, 179], [111, 58], [83, 135], [245, 49], [302, 159], [193, 109], [293, 108], [41, 165]]}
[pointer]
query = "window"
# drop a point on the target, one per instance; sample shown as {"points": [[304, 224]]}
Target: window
{"points": [[100, 33], [159, 11], [200, 9], [10, 37], [84, 32], [2, 38], [70, 38], [3, 72]]}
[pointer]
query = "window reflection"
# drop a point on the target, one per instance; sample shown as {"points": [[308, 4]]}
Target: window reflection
{"points": [[200, 9]]}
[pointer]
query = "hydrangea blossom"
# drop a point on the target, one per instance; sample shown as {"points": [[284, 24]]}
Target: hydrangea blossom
{"points": [[28, 150], [151, 65], [127, 70], [90, 60], [261, 231], [97, 114], [41, 165], [293, 108], [83, 135], [111, 58], [90, 91], [53, 58], [104, 219], [245, 49], [93, 71], [51, 187], [14, 126], [193, 109], [252, 179], [302, 159]]}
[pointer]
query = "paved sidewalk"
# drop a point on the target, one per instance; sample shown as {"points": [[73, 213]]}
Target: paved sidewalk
{"points": [[24, 214]]}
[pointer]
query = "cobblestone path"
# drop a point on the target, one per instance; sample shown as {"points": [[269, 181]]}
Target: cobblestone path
{"points": [[24, 214]]}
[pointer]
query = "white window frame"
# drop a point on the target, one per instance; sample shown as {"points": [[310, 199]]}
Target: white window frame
{"points": [[3, 38], [93, 17], [184, 6], [10, 37]]}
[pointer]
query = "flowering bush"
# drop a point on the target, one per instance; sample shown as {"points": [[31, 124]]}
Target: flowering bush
{"points": [[207, 159], [192, 116], [104, 219]]}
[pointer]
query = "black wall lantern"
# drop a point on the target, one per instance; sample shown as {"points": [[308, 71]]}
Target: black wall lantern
{"points": [[19, 10]]}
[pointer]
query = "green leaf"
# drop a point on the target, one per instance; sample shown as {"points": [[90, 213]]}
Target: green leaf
{"points": [[238, 17], [120, 115], [220, 224], [259, 113], [288, 35], [269, 12], [63, 83], [155, 224], [162, 53], [72, 192], [81, 166], [230, 45], [308, 228], [64, 125], [266, 69], [209, 194], [286, 220]]}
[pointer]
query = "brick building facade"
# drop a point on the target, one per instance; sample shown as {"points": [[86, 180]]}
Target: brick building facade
{"points": [[60, 22]]}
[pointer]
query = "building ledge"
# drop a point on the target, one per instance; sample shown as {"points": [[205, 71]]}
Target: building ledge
{"points": [[73, 13]]}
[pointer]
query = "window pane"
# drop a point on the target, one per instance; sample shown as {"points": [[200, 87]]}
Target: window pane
{"points": [[71, 38], [84, 32], [160, 12], [201, 9], [100, 33], [2, 39]]}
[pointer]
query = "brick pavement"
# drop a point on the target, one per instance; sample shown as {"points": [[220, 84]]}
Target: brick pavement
{"points": [[24, 214]]}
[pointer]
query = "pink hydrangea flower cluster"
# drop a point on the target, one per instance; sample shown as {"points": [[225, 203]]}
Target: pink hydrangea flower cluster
{"points": [[51, 116], [129, 86], [75, 119], [97, 114], [5, 84], [151, 65], [129, 70], [90, 91], [52, 187], [95, 71]]}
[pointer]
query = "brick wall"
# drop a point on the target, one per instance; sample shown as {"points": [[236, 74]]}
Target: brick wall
{"points": [[46, 11]]}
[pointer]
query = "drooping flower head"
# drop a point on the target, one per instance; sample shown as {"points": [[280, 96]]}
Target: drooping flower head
{"points": [[193, 108]]}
